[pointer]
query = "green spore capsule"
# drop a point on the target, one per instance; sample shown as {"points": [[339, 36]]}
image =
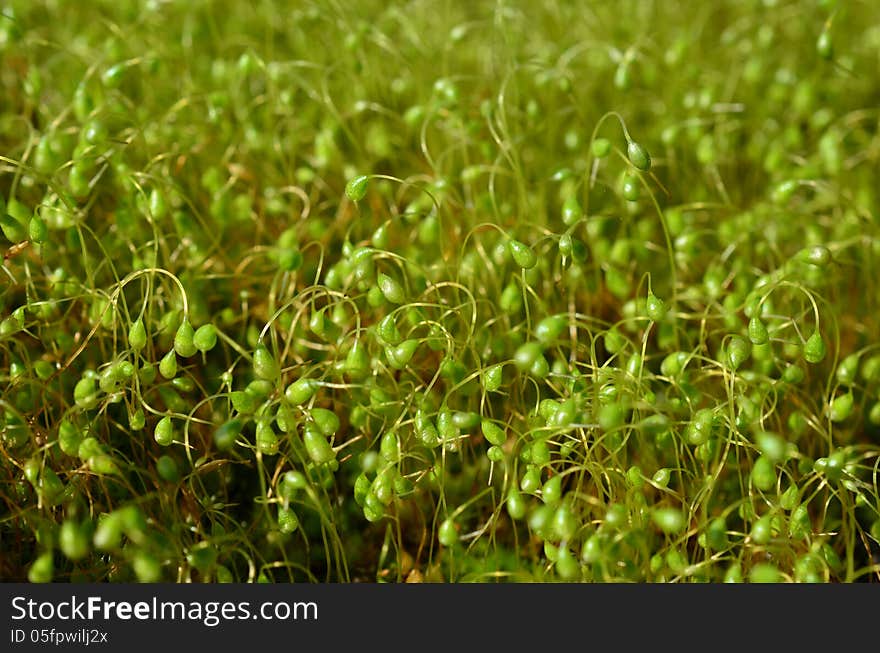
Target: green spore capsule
{"points": [[566, 245], [288, 522], [783, 191], [818, 255], [493, 433], [293, 481], [668, 520], [137, 335], [814, 348], [841, 407], [738, 351], [357, 361], [848, 369], [42, 569], [763, 473], [38, 230], [356, 188], [638, 156], [137, 419], [447, 534], [493, 377], [112, 77], [391, 289], [267, 441], [551, 492], [793, 374], [571, 210], [564, 523], [227, 433], [630, 187], [168, 469], [401, 355], [523, 255], [550, 328], [265, 366], [168, 365], [772, 446], [73, 540], [301, 390], [825, 46], [326, 420], [517, 506], [12, 228], [85, 393], [317, 447], [317, 323], [387, 330], [205, 338], [526, 355], [183, 340], [758, 331], [164, 432], [655, 308], [601, 148], [158, 206]]}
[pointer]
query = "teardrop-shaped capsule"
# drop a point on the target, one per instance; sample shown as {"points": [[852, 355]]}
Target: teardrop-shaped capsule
{"points": [[387, 330], [447, 534], [326, 420], [493, 377], [523, 255], [493, 433], [288, 522], [168, 365], [137, 335], [516, 504], [638, 156], [357, 361], [814, 348], [758, 331], [551, 492], [266, 439], [157, 204], [824, 45], [526, 355], [818, 255], [226, 434], [301, 390], [841, 407], [550, 328], [848, 369], [763, 473], [205, 338], [265, 366], [655, 308], [571, 210], [38, 230], [112, 77], [183, 339], [601, 148], [317, 323], [164, 432], [137, 419], [356, 188], [738, 351], [317, 447], [401, 355], [630, 187], [391, 289]]}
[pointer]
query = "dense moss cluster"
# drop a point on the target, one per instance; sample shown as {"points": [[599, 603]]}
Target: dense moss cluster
{"points": [[439, 291]]}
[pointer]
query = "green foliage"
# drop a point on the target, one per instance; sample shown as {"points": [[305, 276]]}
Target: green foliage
{"points": [[494, 293]]}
